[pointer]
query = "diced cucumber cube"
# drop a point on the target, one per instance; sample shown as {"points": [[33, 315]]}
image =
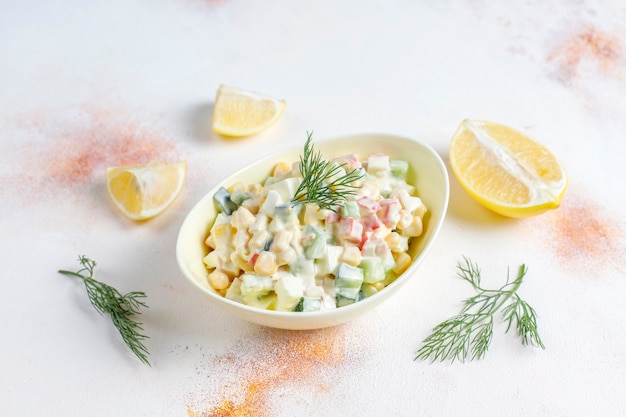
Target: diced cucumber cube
{"points": [[285, 211], [350, 209], [308, 304], [373, 269], [265, 302], [399, 168], [314, 242], [368, 290], [348, 281], [342, 301], [222, 199], [239, 197], [255, 285]]}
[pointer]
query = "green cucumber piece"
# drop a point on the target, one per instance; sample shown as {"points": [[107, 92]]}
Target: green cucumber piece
{"points": [[315, 244], [350, 209], [223, 201], [239, 197], [373, 269], [308, 304], [348, 280], [399, 169]]}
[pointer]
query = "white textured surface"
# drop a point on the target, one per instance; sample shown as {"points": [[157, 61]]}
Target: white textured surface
{"points": [[81, 81]]}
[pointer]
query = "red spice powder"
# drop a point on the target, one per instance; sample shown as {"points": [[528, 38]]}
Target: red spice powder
{"points": [[583, 237], [83, 154], [76, 152], [588, 47], [276, 360]]}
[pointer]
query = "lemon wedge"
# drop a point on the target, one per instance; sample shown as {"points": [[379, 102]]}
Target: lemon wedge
{"points": [[505, 170], [240, 112], [145, 191]]}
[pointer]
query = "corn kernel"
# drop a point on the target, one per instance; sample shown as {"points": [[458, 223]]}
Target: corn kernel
{"points": [[281, 241], [397, 242], [368, 290], [393, 240], [420, 210], [379, 285], [351, 255], [266, 264], [236, 186], [414, 228], [242, 218], [405, 220], [218, 280], [255, 189], [281, 168], [403, 260]]}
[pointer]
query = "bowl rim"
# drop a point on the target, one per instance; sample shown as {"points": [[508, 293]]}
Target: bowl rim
{"points": [[321, 314]]}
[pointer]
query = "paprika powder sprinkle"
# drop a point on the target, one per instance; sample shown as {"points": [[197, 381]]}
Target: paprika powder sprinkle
{"points": [[582, 236], [264, 367], [75, 153], [588, 47], [85, 153]]}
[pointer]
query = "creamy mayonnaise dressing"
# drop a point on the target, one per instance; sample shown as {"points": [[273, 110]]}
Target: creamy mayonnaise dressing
{"points": [[267, 252]]}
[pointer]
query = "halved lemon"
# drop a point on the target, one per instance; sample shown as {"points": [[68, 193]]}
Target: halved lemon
{"points": [[240, 112], [144, 191], [505, 170]]}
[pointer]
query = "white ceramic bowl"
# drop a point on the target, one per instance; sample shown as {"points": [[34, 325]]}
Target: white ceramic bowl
{"points": [[427, 173]]}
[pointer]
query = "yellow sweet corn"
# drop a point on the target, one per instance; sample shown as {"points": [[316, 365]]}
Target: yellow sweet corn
{"points": [[403, 261], [281, 169], [351, 255], [281, 241], [218, 280], [266, 264], [242, 218]]}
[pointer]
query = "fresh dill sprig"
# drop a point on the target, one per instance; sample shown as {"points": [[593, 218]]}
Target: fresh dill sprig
{"points": [[324, 182], [470, 332], [108, 300]]}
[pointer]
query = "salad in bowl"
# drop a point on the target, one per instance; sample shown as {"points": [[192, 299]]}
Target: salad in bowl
{"points": [[313, 237]]}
